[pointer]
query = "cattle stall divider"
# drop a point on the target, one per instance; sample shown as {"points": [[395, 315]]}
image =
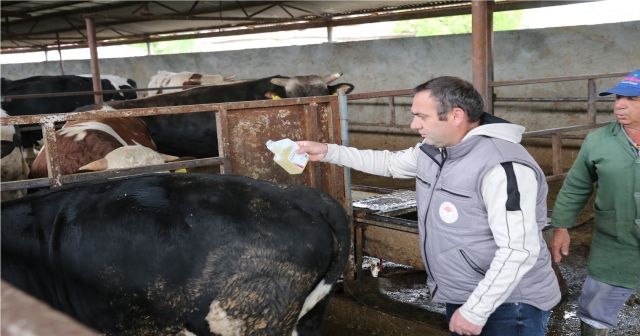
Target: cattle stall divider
{"points": [[243, 128]]}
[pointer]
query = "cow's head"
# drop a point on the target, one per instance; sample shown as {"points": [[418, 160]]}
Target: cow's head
{"points": [[309, 86]]}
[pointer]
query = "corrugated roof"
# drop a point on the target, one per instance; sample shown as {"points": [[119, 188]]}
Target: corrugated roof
{"points": [[39, 25]]}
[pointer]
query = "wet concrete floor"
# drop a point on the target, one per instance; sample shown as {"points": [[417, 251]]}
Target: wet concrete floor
{"points": [[396, 285]]}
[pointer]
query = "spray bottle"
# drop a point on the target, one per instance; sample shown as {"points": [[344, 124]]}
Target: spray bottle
{"points": [[286, 157]]}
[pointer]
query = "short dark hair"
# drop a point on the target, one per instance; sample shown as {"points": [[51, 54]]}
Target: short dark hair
{"points": [[451, 92]]}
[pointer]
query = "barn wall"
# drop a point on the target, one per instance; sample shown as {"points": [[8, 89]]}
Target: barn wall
{"points": [[406, 62]]}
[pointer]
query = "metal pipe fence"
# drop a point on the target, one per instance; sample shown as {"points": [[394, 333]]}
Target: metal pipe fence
{"points": [[56, 178], [556, 134]]}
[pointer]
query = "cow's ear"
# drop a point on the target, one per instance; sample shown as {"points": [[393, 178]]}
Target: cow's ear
{"points": [[330, 78], [280, 81], [333, 89], [101, 164]]}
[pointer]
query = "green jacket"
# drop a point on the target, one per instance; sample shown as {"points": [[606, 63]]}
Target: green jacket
{"points": [[606, 158]]}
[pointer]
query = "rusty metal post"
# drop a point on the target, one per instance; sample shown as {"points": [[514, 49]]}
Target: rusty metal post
{"points": [[344, 135], [60, 54], [221, 120], [392, 109], [556, 148], [313, 169], [93, 50], [592, 108], [489, 99], [53, 158], [479, 47]]}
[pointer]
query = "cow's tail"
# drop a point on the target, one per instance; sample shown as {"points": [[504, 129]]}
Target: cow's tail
{"points": [[337, 218]]}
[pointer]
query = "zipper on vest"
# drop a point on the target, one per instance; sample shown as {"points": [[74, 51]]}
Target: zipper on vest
{"points": [[424, 243], [452, 193], [444, 158], [471, 263]]}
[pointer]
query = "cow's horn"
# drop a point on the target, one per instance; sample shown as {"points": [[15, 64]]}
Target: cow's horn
{"points": [[101, 164], [280, 81], [211, 80], [169, 158], [330, 78]]}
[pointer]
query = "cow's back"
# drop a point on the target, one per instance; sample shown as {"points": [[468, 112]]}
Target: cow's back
{"points": [[184, 134], [51, 105], [174, 247]]}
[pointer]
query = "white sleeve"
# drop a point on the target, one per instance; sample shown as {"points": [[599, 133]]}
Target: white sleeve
{"points": [[509, 191], [400, 164]]}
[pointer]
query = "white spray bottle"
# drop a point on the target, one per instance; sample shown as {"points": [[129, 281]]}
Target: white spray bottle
{"points": [[286, 157]]}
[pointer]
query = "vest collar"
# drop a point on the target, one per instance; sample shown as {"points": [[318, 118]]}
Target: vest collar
{"points": [[463, 148], [454, 152]]}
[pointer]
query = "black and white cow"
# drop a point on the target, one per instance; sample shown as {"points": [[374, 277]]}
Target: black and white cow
{"points": [[194, 254], [195, 134], [57, 84], [13, 165]]}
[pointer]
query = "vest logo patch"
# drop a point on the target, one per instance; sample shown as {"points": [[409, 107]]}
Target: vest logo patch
{"points": [[448, 212]]}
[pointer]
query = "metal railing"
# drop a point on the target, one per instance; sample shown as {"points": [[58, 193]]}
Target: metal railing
{"points": [[556, 134]]}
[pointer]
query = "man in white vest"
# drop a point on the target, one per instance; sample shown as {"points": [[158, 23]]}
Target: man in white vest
{"points": [[481, 209]]}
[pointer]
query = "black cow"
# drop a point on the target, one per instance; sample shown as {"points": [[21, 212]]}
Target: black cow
{"points": [[57, 84], [195, 134], [165, 253]]}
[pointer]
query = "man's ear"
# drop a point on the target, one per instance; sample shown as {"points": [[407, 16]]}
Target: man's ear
{"points": [[458, 115]]}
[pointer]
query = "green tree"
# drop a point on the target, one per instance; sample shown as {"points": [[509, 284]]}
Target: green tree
{"points": [[169, 47], [173, 47], [460, 24]]}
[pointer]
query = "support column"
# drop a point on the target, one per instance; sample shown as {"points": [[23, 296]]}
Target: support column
{"points": [[329, 32], [93, 50], [479, 47], [489, 100], [60, 54], [148, 46]]}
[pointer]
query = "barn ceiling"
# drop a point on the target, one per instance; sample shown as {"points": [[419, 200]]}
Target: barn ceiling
{"points": [[41, 25]]}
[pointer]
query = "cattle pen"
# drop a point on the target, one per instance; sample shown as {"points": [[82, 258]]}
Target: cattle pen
{"points": [[384, 290], [243, 129]]}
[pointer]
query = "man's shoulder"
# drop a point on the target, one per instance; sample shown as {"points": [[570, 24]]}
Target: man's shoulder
{"points": [[605, 131]]}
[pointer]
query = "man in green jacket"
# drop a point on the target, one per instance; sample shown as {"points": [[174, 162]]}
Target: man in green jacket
{"points": [[610, 158]]}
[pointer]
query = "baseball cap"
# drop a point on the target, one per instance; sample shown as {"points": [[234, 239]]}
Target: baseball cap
{"points": [[628, 87]]}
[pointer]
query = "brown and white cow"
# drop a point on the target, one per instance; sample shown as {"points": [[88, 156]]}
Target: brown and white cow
{"points": [[167, 79], [83, 142]]}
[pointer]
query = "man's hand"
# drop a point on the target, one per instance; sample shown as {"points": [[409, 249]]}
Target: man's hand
{"points": [[461, 326], [560, 243], [317, 151]]}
